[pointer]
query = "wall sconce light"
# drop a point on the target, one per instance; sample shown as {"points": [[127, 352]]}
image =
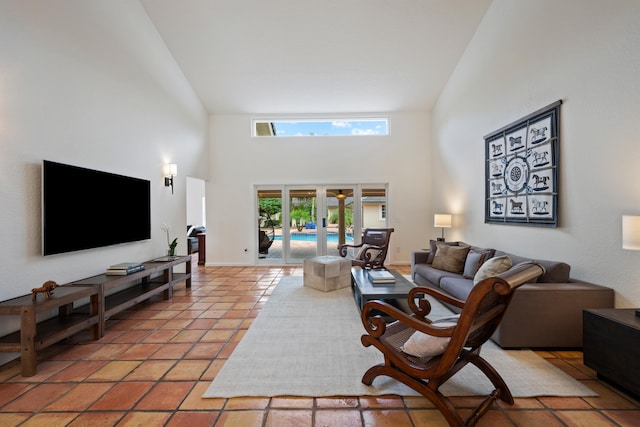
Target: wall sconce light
{"points": [[170, 169], [443, 221], [631, 235]]}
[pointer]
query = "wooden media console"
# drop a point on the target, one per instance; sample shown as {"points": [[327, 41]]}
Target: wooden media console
{"points": [[107, 296]]}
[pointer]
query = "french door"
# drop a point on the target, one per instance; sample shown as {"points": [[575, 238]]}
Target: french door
{"points": [[297, 222]]}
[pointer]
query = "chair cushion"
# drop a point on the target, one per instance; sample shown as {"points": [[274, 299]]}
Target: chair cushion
{"points": [[450, 258], [420, 344], [363, 250], [492, 267]]}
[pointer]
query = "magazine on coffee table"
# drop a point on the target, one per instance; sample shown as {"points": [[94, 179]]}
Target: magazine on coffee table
{"points": [[381, 276]]}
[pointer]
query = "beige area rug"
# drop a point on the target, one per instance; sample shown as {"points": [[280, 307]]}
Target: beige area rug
{"points": [[306, 342]]}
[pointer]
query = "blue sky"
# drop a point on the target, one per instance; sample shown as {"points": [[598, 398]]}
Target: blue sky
{"points": [[331, 128]]}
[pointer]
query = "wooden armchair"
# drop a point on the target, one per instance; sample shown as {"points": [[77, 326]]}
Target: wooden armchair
{"points": [[372, 252], [427, 369]]}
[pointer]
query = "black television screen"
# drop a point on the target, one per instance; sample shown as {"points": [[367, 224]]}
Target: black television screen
{"points": [[85, 208]]}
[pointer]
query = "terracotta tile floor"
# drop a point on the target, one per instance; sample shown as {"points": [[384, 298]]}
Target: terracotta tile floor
{"points": [[156, 360]]}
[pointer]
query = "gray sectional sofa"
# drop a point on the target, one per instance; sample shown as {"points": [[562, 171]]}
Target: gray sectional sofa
{"points": [[544, 314]]}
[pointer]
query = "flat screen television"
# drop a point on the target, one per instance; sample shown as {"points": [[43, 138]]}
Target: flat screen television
{"points": [[85, 208]]}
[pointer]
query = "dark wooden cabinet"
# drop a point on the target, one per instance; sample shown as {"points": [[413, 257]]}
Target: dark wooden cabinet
{"points": [[611, 339]]}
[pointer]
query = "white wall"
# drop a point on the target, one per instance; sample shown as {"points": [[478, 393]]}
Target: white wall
{"points": [[238, 162], [524, 56], [90, 84]]}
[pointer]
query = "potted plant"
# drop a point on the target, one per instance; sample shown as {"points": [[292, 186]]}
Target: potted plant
{"points": [[172, 245]]}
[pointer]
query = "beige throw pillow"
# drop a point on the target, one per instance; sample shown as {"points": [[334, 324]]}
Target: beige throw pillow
{"points": [[420, 344], [433, 248], [450, 258], [492, 267]]}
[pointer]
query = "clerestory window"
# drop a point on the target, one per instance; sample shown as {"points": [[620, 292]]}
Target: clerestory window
{"points": [[321, 127]]}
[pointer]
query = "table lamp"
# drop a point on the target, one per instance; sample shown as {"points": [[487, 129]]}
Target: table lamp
{"points": [[443, 221]]}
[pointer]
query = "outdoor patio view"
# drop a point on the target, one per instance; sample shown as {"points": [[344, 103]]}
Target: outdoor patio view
{"points": [[298, 234]]}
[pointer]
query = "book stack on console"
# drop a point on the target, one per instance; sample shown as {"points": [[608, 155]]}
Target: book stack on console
{"points": [[381, 276], [124, 268]]}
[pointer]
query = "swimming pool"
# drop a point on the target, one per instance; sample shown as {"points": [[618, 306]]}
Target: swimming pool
{"points": [[313, 237]]}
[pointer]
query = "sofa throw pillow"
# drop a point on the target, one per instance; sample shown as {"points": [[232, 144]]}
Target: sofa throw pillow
{"points": [[492, 267], [450, 258], [433, 248], [420, 344], [473, 262]]}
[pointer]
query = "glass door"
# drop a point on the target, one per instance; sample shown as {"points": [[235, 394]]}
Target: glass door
{"points": [[339, 216], [301, 231], [300, 222], [270, 225]]}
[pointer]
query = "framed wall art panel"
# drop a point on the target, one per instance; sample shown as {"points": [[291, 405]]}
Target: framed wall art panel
{"points": [[521, 170]]}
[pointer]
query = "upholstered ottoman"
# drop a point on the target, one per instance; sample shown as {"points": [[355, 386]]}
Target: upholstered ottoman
{"points": [[327, 273]]}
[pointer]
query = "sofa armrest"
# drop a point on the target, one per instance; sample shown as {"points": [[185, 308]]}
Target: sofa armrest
{"points": [[550, 314], [418, 257]]}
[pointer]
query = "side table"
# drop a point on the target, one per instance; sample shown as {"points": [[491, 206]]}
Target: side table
{"points": [[610, 346], [202, 248]]}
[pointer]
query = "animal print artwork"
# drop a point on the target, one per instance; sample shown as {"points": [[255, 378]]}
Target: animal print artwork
{"points": [[521, 170]]}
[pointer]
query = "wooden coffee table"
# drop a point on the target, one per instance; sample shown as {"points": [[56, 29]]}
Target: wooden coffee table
{"points": [[364, 290]]}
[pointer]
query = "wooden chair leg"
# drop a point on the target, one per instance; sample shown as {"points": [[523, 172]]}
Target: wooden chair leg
{"points": [[504, 393], [482, 409], [441, 402]]}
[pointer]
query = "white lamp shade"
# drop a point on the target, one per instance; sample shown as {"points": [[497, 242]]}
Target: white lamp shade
{"points": [[442, 220], [631, 232], [171, 169]]}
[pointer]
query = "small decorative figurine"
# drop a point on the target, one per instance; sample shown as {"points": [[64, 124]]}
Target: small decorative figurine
{"points": [[47, 287]]}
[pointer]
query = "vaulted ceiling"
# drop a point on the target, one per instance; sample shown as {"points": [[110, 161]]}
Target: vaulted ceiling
{"points": [[329, 56]]}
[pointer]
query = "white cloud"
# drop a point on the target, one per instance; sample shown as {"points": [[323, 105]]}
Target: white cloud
{"points": [[337, 124], [364, 132]]}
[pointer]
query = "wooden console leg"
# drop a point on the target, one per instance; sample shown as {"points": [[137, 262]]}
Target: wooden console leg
{"points": [[95, 309], [27, 341], [168, 278]]}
